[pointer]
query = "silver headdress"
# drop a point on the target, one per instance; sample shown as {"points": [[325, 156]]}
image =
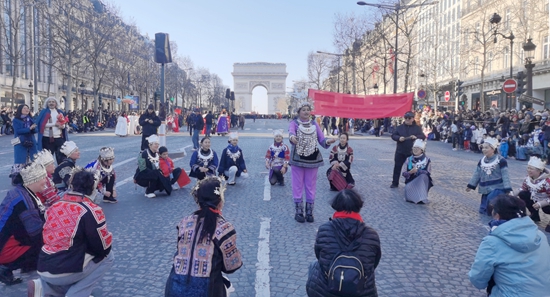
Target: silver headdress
{"points": [[303, 103], [218, 191], [44, 157], [106, 153], [233, 135], [68, 148], [153, 139], [277, 132], [33, 172]]}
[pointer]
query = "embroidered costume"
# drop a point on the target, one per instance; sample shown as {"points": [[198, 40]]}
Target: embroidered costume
{"points": [[419, 183], [536, 191], [232, 161], [277, 158], [305, 159], [344, 157], [62, 174], [198, 265], [491, 175], [205, 159], [223, 124], [148, 174]]}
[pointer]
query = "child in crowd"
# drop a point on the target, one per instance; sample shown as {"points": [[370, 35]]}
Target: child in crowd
{"points": [[178, 177]]}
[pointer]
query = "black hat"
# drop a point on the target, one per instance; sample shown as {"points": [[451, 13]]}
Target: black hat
{"points": [[151, 107], [162, 149], [409, 114]]}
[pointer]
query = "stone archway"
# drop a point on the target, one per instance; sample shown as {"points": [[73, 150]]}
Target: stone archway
{"points": [[247, 76]]}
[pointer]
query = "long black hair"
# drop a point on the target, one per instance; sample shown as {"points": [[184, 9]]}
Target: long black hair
{"points": [[508, 207], [208, 201], [19, 111]]}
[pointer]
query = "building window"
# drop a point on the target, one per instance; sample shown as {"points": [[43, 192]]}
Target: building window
{"points": [[545, 48]]}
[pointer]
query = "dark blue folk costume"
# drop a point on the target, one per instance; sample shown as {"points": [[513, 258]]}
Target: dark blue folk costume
{"points": [[232, 162], [205, 159]]}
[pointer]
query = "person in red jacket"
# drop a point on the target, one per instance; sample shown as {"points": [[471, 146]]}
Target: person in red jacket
{"points": [[178, 177], [77, 244]]}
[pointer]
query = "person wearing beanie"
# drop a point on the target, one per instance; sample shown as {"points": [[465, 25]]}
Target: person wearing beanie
{"points": [[417, 173], [21, 221], [405, 135], [178, 177], [149, 122], [103, 165], [490, 175], [535, 190], [62, 173], [208, 231]]}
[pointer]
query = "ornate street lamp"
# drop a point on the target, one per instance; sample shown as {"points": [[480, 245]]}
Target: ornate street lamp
{"points": [[495, 20], [529, 50], [82, 86], [30, 92]]}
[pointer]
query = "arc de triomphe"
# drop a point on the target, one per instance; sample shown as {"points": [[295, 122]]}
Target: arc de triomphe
{"points": [[272, 76]]}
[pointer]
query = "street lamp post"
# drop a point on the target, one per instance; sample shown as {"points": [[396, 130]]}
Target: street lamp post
{"points": [[529, 50], [397, 7], [338, 75], [495, 20], [82, 86], [30, 92]]}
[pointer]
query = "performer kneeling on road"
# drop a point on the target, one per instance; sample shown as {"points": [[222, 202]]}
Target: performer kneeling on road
{"points": [[62, 173], [104, 166], [535, 190], [75, 255], [276, 159], [341, 156], [21, 221], [491, 175], [232, 161], [417, 173], [148, 174], [405, 135], [214, 242], [204, 161]]}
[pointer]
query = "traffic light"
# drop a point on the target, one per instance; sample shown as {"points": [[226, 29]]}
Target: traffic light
{"points": [[232, 96], [100, 102], [521, 78], [171, 99], [458, 88], [227, 94]]}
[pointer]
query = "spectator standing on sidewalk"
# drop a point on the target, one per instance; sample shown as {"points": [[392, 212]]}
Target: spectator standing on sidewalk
{"points": [[405, 135], [149, 122]]}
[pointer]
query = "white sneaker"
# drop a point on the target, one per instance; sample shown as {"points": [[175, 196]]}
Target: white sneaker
{"points": [[454, 149], [150, 195], [175, 187], [34, 288]]}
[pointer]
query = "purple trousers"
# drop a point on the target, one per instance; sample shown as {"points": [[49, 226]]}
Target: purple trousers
{"points": [[304, 178]]}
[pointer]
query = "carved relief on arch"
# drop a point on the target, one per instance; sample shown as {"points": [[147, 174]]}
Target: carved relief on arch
{"points": [[263, 83], [277, 86], [240, 86]]}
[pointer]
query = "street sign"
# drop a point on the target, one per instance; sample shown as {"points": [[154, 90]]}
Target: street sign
{"points": [[447, 96], [421, 94], [446, 103], [510, 85], [531, 99]]}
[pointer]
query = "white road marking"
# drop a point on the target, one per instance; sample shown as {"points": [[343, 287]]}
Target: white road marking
{"points": [[267, 189], [262, 267], [123, 162], [259, 129]]}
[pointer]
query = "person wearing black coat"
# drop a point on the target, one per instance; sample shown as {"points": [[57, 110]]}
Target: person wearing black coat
{"points": [[405, 135], [149, 122], [345, 227]]}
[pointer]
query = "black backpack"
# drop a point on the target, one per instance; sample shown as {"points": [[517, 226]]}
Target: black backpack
{"points": [[346, 275]]}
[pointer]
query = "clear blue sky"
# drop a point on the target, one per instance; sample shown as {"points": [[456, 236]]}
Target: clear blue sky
{"points": [[217, 33]]}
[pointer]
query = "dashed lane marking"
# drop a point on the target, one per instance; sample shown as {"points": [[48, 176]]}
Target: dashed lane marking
{"points": [[262, 286], [267, 189]]}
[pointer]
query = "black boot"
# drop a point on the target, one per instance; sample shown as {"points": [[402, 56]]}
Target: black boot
{"points": [[309, 212], [6, 276], [299, 216]]}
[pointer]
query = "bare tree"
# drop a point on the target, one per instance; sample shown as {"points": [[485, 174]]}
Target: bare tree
{"points": [[318, 66]]}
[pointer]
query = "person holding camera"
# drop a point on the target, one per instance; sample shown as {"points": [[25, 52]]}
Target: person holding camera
{"points": [[405, 135]]}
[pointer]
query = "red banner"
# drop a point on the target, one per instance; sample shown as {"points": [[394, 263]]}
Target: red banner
{"points": [[360, 106]]}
